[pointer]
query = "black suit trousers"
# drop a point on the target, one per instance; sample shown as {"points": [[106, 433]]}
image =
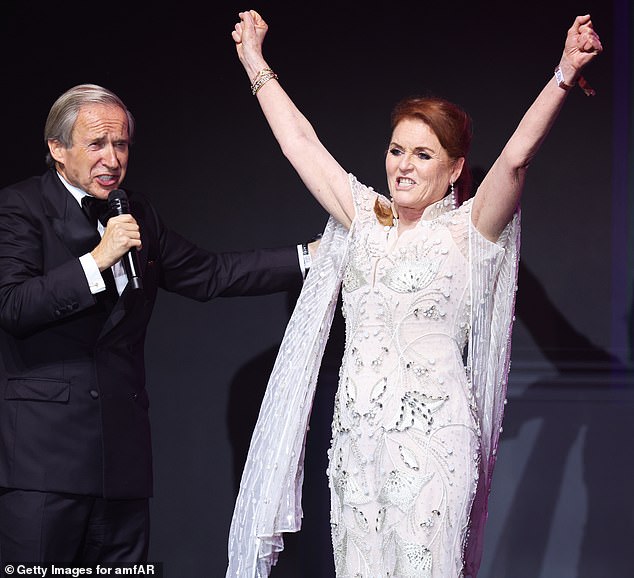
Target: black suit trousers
{"points": [[70, 530]]}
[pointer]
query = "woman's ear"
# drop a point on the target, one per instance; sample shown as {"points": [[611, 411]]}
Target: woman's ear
{"points": [[459, 164]]}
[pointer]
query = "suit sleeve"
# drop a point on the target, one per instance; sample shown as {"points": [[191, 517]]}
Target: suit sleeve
{"points": [[29, 297], [200, 274]]}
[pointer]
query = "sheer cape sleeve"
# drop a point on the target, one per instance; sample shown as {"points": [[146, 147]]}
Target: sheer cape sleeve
{"points": [[269, 500], [493, 289]]}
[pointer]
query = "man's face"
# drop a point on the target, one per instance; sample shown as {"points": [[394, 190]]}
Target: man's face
{"points": [[98, 158]]}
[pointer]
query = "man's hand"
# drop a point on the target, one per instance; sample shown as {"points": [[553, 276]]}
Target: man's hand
{"points": [[122, 234]]}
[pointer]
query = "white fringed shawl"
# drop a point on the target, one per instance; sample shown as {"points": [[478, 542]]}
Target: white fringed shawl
{"points": [[269, 500], [493, 289]]}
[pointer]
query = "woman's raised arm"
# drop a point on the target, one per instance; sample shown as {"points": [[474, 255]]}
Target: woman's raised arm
{"points": [[321, 173], [499, 194]]}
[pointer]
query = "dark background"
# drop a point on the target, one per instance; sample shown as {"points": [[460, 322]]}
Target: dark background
{"points": [[562, 503]]}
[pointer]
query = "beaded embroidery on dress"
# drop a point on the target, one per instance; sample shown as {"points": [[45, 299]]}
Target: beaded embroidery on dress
{"points": [[405, 452]]}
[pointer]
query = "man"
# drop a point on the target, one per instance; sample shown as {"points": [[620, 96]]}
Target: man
{"points": [[75, 450]]}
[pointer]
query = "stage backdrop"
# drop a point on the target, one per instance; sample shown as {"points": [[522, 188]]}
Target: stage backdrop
{"points": [[562, 504]]}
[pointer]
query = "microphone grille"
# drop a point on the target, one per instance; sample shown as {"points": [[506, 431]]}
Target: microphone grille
{"points": [[117, 194], [118, 202]]}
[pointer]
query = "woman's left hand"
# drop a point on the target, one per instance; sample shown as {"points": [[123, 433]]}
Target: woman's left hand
{"points": [[582, 44]]}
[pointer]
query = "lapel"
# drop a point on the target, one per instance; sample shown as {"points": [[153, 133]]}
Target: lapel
{"points": [[67, 218], [79, 236]]}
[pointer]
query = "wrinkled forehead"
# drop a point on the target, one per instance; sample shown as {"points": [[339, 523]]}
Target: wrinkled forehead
{"points": [[100, 121]]}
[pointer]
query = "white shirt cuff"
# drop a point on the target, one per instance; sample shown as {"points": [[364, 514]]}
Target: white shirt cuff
{"points": [[304, 259], [93, 275]]}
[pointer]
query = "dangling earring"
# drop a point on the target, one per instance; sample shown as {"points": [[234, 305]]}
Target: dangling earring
{"points": [[454, 197]]}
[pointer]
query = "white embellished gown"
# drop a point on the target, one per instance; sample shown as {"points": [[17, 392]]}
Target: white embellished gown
{"points": [[405, 451], [416, 424]]}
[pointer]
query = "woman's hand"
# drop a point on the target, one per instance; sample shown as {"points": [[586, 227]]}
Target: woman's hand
{"points": [[582, 46], [249, 35]]}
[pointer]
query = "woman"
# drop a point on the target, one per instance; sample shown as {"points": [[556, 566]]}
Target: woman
{"points": [[427, 282]]}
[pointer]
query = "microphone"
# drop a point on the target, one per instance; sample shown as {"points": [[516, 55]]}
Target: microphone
{"points": [[118, 205]]}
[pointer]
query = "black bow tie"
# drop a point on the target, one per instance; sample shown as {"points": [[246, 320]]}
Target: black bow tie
{"points": [[95, 209]]}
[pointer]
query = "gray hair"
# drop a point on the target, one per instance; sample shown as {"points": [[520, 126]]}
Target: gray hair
{"points": [[63, 114]]}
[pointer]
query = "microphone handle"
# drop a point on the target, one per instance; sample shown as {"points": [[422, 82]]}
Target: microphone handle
{"points": [[131, 266], [118, 202]]}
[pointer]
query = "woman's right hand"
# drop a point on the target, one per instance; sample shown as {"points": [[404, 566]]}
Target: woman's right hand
{"points": [[249, 36]]}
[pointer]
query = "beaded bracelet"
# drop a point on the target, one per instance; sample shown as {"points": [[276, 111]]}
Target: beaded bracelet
{"points": [[261, 79], [262, 73]]}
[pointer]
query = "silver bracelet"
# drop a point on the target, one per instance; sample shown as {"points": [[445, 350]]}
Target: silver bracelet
{"points": [[561, 81], [581, 81]]}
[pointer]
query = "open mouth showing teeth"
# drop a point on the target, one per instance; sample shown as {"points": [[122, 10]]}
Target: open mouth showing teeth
{"points": [[106, 178], [404, 181]]}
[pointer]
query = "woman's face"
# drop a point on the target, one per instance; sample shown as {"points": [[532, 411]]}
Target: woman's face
{"points": [[418, 169]]}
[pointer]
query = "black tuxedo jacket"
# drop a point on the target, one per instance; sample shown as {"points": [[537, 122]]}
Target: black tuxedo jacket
{"points": [[73, 403]]}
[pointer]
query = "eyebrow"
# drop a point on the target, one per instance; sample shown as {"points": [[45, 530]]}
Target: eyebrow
{"points": [[103, 139], [415, 149]]}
